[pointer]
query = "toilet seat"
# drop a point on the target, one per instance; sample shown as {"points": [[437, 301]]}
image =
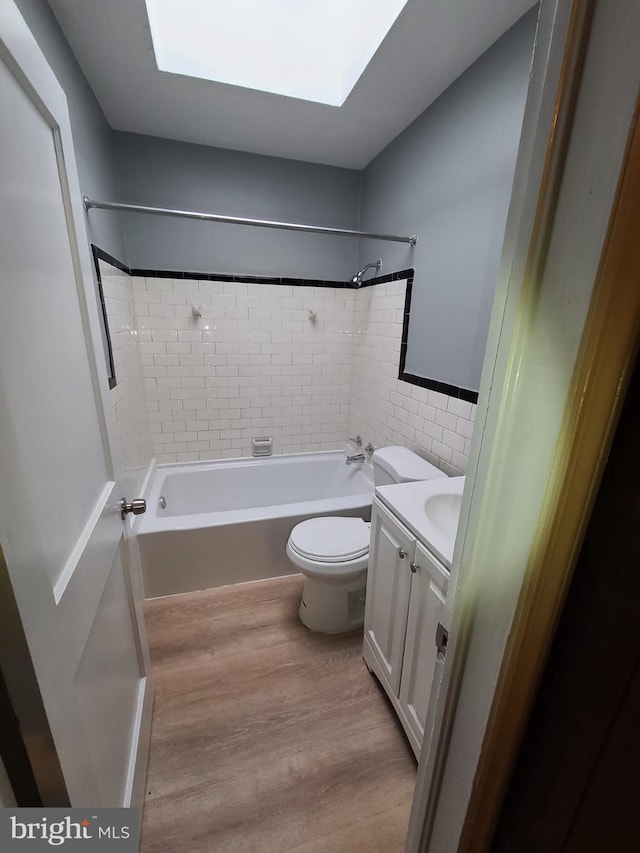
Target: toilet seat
{"points": [[332, 539], [332, 549]]}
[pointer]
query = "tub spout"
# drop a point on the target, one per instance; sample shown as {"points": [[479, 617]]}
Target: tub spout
{"points": [[358, 457]]}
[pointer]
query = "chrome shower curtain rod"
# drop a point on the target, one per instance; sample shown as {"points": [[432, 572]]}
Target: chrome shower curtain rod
{"points": [[239, 220]]}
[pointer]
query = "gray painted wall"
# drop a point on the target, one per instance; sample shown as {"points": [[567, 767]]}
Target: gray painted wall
{"points": [[448, 178], [165, 173], [92, 136]]}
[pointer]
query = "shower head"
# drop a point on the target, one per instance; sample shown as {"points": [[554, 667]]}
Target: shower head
{"points": [[357, 278]]}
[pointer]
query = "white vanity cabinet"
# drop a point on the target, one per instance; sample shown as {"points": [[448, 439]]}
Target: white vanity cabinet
{"points": [[406, 591]]}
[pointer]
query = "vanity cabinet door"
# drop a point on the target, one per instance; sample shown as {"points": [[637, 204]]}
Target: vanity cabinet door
{"points": [[426, 606], [387, 602]]}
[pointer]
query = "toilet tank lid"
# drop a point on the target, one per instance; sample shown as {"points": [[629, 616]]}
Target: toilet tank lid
{"points": [[404, 465]]}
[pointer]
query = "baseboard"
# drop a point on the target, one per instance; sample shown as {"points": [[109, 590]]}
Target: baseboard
{"points": [[139, 757]]}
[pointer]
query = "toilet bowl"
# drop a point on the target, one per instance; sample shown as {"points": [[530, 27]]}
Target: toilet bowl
{"points": [[332, 552]]}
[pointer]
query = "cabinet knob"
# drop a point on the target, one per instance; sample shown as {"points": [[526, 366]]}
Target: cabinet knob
{"points": [[413, 567], [401, 553]]}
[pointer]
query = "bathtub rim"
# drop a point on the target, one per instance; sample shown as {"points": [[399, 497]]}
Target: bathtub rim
{"points": [[153, 523]]}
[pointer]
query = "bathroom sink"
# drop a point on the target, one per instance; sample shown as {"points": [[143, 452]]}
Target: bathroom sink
{"points": [[431, 510], [443, 511]]}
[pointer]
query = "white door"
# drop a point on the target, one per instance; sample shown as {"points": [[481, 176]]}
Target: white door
{"points": [[60, 526], [388, 586], [426, 608]]}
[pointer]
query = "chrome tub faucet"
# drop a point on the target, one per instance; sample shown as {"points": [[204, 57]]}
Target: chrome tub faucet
{"points": [[358, 457]]}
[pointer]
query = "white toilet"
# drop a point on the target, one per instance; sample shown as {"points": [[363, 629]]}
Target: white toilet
{"points": [[333, 551]]}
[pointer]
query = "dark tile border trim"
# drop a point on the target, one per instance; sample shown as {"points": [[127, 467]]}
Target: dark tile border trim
{"points": [[100, 255], [392, 276], [442, 387], [248, 279], [423, 381], [412, 379], [244, 279]]}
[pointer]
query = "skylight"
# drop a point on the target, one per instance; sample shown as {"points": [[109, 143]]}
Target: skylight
{"points": [[314, 50]]}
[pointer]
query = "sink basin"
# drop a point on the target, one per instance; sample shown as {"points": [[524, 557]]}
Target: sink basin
{"points": [[430, 508], [443, 511]]}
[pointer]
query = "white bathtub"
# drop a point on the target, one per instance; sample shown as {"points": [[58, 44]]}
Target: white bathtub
{"points": [[229, 521]]}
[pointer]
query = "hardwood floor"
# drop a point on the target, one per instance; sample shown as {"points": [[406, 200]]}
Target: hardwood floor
{"points": [[267, 737]]}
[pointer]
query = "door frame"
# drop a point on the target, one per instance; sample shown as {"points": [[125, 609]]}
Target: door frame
{"points": [[495, 658], [604, 367], [21, 53]]}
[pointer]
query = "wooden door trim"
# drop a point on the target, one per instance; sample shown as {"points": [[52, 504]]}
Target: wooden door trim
{"points": [[560, 43], [526, 390], [607, 353]]}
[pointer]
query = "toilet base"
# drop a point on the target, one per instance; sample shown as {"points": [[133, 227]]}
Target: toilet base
{"points": [[331, 608]]}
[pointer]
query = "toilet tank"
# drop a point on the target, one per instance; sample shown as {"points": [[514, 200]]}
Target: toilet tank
{"points": [[401, 465]]}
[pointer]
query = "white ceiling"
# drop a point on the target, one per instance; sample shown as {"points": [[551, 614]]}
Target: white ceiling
{"points": [[431, 43]]}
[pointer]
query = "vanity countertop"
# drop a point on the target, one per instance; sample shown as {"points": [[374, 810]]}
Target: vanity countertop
{"points": [[430, 509]]}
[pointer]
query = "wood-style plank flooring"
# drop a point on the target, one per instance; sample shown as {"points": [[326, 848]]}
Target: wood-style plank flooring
{"points": [[268, 737]]}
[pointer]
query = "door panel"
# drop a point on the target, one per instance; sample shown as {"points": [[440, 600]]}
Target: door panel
{"points": [[107, 684], [61, 533], [388, 585], [426, 608], [49, 387]]}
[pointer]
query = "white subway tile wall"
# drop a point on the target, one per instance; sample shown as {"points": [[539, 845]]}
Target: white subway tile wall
{"points": [[386, 410], [254, 364], [128, 396]]}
